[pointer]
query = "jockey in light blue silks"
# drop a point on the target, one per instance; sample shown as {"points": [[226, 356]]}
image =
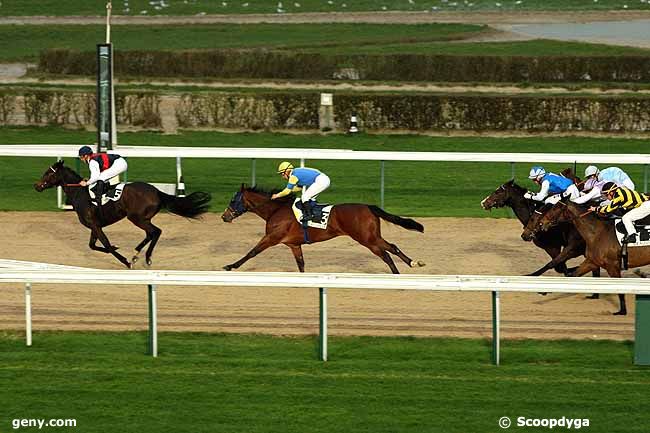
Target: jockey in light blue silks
{"points": [[609, 174], [553, 186], [311, 181]]}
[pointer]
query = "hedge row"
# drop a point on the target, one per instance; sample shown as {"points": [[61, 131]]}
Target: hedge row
{"points": [[394, 67], [277, 111], [76, 108]]}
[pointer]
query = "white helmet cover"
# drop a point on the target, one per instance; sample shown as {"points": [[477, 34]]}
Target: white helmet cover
{"points": [[591, 170], [536, 172]]}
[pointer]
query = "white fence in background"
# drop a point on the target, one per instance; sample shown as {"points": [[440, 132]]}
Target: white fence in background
{"points": [[70, 151], [30, 274]]}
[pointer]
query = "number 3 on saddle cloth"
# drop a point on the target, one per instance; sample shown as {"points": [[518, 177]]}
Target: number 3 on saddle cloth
{"points": [[113, 193], [321, 214]]}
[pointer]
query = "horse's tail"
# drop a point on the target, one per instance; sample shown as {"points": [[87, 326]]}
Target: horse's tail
{"points": [[191, 206], [407, 223]]}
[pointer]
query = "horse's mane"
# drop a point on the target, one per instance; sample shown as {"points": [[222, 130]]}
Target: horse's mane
{"points": [[270, 191]]}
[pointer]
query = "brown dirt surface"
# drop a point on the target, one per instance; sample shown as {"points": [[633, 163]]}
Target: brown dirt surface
{"points": [[448, 246]]}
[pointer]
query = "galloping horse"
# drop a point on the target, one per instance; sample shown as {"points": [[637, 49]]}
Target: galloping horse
{"points": [[139, 202], [359, 221], [561, 243], [603, 249]]}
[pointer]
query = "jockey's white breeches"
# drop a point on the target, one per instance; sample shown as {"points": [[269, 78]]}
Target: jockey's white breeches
{"points": [[119, 166], [321, 183], [628, 184], [572, 192], [635, 215]]}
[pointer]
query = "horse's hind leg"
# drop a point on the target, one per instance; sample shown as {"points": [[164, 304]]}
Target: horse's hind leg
{"points": [[152, 235], [394, 249]]}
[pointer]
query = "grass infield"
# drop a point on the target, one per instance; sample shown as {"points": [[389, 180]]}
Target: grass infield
{"points": [[253, 383]]}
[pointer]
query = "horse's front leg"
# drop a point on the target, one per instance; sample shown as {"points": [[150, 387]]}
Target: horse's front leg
{"points": [[297, 254], [92, 243], [99, 233], [263, 244]]}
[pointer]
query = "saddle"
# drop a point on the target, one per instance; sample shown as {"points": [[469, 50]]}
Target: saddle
{"points": [[320, 211], [642, 228], [113, 193]]}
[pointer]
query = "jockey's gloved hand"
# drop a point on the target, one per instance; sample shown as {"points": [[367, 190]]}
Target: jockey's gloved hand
{"points": [[528, 195]]}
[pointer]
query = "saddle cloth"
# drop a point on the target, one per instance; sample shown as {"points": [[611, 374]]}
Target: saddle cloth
{"points": [[321, 214], [113, 194], [643, 230]]}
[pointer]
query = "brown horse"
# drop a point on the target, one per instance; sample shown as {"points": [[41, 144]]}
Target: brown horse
{"points": [[562, 243], [359, 221], [603, 249], [139, 202]]}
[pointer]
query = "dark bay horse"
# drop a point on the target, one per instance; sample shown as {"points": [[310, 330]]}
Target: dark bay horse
{"points": [[603, 249], [562, 242], [139, 203], [359, 221]]}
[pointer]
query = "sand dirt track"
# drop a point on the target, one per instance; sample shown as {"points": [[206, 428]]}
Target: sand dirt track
{"points": [[449, 246]]}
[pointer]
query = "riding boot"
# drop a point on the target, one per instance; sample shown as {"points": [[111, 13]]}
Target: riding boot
{"points": [[306, 216], [99, 192]]}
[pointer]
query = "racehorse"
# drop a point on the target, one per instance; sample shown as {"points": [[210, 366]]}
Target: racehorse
{"points": [[562, 243], [603, 249], [139, 202], [359, 221]]}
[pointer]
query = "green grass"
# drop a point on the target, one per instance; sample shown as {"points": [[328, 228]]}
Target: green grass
{"points": [[537, 47], [245, 383], [412, 188], [193, 7], [25, 42]]}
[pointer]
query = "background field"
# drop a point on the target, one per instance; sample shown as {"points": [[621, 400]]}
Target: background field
{"points": [[25, 42], [412, 188], [192, 7], [245, 383]]}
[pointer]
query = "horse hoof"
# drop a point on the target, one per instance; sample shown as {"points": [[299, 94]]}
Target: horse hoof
{"points": [[149, 262], [640, 273], [620, 313], [542, 293], [134, 259], [227, 268], [417, 264], [594, 296]]}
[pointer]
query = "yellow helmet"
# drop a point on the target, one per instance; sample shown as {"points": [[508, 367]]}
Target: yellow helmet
{"points": [[284, 166]]}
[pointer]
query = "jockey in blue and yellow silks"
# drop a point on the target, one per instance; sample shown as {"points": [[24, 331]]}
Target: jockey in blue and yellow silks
{"points": [[311, 181]]}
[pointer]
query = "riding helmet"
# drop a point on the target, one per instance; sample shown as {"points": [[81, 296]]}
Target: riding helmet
{"points": [[85, 150]]}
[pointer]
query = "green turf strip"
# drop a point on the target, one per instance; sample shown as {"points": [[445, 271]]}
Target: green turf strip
{"points": [[253, 383], [412, 188]]}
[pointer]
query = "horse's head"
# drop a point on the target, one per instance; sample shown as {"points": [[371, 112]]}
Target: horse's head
{"points": [[560, 213], [502, 195], [236, 207], [532, 228], [52, 177]]}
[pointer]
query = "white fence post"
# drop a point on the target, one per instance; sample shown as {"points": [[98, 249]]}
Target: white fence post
{"points": [[323, 324], [496, 322], [28, 314], [153, 321]]}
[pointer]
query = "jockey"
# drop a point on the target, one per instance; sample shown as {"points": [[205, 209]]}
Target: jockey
{"points": [[311, 181], [632, 204], [553, 186], [593, 191], [610, 174], [103, 167]]}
